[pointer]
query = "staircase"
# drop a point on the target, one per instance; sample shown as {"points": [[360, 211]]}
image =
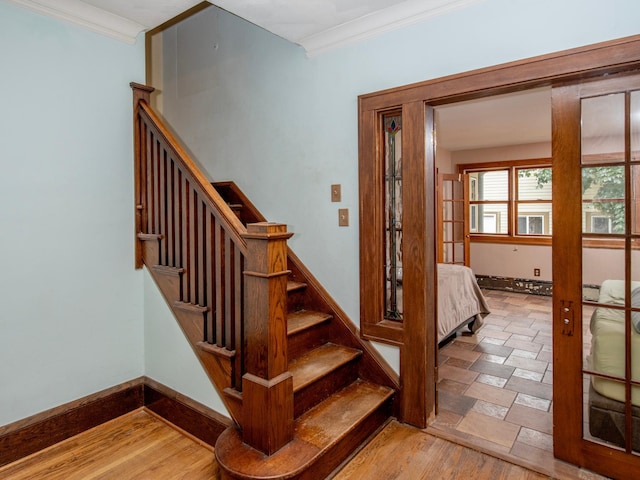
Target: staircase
{"points": [[304, 390]]}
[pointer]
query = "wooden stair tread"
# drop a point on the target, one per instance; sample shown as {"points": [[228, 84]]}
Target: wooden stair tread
{"points": [[334, 418], [315, 434], [294, 286], [319, 362], [304, 319]]}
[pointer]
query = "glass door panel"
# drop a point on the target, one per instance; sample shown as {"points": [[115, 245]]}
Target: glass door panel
{"points": [[610, 272], [452, 225]]}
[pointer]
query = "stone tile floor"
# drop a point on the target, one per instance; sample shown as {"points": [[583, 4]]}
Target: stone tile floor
{"points": [[497, 385]]}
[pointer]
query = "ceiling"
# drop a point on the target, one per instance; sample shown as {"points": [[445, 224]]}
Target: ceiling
{"points": [[322, 25]]}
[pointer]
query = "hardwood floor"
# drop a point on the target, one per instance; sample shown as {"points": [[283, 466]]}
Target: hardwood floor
{"points": [[135, 446], [404, 453], [141, 446]]}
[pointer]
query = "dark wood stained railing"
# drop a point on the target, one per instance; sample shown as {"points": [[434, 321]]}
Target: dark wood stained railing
{"points": [[202, 256], [201, 234]]}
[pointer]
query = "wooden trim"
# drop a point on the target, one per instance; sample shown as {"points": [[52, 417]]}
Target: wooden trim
{"points": [[47, 428], [568, 65], [168, 24], [498, 165], [504, 239], [29, 435], [194, 418]]}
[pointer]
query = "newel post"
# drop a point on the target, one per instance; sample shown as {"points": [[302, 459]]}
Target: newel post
{"points": [[267, 385], [140, 92]]}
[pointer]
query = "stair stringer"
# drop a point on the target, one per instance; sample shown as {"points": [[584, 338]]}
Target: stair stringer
{"points": [[217, 365]]}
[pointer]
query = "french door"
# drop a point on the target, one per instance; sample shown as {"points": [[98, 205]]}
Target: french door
{"points": [[453, 227], [596, 268]]}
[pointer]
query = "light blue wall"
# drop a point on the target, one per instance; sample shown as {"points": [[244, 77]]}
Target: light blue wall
{"points": [[71, 320], [254, 109]]}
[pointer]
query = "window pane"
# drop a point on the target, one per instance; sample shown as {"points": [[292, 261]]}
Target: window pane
{"points": [[393, 216], [491, 186], [603, 207], [534, 219], [492, 218], [534, 183], [603, 120]]}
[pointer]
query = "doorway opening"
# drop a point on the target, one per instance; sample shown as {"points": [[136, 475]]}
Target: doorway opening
{"points": [[495, 385]]}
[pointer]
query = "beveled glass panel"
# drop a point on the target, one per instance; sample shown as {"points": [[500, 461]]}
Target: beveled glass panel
{"points": [[603, 127], [603, 418], [448, 232], [635, 311], [634, 200], [492, 218], [534, 183], [635, 126], [601, 265], [458, 211], [447, 210], [492, 186], [458, 232], [603, 200], [459, 252], [447, 189], [458, 190], [448, 251]]}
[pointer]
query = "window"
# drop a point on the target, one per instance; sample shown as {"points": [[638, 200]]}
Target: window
{"points": [[531, 225], [510, 201]]}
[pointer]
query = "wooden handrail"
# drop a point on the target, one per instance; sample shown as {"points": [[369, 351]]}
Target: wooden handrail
{"points": [[230, 220]]}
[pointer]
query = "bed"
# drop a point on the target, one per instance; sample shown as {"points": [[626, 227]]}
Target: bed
{"points": [[606, 356], [460, 301]]}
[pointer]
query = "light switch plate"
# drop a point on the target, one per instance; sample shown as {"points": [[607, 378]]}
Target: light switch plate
{"points": [[336, 193], [343, 217]]}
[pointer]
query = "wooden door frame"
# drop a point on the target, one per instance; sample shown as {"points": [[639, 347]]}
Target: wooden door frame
{"points": [[415, 336]]}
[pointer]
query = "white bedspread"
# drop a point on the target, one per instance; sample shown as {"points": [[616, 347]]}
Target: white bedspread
{"points": [[459, 298]]}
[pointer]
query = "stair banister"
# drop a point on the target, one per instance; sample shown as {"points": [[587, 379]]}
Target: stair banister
{"points": [[248, 264]]}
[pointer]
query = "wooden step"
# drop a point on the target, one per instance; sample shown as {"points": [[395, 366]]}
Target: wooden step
{"points": [[323, 437], [302, 320], [320, 372], [306, 330], [295, 286]]}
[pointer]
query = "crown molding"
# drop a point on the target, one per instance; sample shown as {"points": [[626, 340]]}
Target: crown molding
{"points": [[87, 16], [379, 22]]}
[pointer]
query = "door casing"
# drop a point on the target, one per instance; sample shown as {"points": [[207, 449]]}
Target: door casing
{"points": [[415, 337]]}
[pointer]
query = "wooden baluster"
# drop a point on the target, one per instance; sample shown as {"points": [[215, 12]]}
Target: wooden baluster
{"points": [[209, 277], [170, 214], [140, 93], [235, 338], [267, 384], [162, 202], [185, 231], [220, 291]]}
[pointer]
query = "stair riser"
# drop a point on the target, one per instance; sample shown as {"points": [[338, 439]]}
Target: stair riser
{"points": [[302, 342], [295, 301], [323, 388]]}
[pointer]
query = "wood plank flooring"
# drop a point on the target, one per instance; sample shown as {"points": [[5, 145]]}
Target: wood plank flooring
{"points": [[141, 446], [135, 446], [401, 452]]}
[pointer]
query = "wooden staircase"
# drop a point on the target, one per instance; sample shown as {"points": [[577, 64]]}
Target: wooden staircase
{"points": [[337, 405], [304, 390]]}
